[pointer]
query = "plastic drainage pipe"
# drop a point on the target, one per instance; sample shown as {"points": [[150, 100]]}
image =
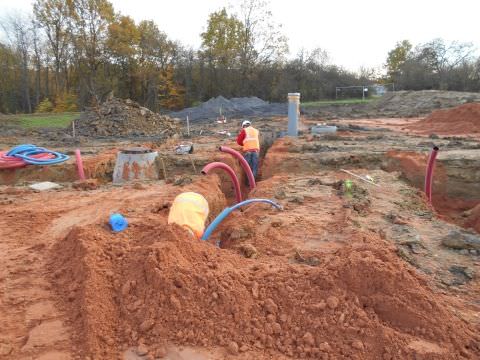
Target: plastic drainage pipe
{"points": [[243, 163], [228, 210], [78, 158], [229, 170], [429, 173]]}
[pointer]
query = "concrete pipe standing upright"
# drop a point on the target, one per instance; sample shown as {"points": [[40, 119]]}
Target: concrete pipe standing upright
{"points": [[293, 113]]}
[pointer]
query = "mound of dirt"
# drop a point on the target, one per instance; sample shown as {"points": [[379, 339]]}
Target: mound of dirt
{"points": [[396, 104], [145, 287], [414, 103], [461, 120], [118, 117]]}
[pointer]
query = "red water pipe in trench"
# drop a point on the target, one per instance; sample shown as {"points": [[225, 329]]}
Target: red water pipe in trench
{"points": [[243, 163], [231, 173], [429, 173], [78, 158]]}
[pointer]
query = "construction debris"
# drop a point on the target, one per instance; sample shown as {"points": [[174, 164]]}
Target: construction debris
{"points": [[44, 186], [119, 118]]}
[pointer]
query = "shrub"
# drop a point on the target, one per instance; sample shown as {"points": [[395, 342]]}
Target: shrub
{"points": [[44, 106]]}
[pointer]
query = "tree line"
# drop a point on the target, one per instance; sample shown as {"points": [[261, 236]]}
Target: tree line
{"points": [[69, 54]]}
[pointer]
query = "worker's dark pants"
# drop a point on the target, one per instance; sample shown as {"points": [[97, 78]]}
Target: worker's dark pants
{"points": [[252, 160]]}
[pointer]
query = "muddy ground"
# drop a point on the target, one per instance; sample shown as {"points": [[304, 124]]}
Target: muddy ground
{"points": [[360, 272]]}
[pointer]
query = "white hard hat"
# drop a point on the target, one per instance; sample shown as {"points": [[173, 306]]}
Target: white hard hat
{"points": [[246, 122]]}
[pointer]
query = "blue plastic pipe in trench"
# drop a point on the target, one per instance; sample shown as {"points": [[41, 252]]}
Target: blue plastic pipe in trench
{"points": [[228, 210]]}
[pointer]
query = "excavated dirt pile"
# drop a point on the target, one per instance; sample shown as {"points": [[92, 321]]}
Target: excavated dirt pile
{"points": [[118, 117], [463, 119], [152, 284]]}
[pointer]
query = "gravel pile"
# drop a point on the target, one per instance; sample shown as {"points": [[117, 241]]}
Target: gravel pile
{"points": [[231, 108]]}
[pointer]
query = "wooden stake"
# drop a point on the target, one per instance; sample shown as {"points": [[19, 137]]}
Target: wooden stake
{"points": [[164, 169], [193, 164]]}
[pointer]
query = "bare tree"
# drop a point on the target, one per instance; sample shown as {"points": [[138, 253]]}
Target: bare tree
{"points": [[442, 57], [53, 17], [18, 29], [262, 41]]}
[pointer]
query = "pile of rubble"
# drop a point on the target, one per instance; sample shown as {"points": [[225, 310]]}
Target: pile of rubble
{"points": [[234, 107], [118, 117]]}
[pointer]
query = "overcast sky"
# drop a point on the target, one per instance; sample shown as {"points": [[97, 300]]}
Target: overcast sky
{"points": [[355, 33]]}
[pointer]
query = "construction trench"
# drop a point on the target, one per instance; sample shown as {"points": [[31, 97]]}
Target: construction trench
{"points": [[346, 270]]}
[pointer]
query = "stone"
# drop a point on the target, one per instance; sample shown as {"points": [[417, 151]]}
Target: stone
{"points": [[233, 348], [161, 352], [325, 347], [457, 239], [88, 184], [270, 306], [45, 186], [249, 251], [462, 270], [280, 194], [309, 339], [297, 199], [255, 289], [332, 302], [147, 325], [141, 350], [357, 344]]}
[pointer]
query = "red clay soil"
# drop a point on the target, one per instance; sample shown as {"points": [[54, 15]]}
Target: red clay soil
{"points": [[150, 286], [473, 219], [412, 166], [461, 120]]}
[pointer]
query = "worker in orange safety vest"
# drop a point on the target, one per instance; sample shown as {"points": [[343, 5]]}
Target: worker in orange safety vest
{"points": [[189, 210], [249, 140]]}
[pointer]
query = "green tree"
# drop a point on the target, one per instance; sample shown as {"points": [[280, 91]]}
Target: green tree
{"points": [[397, 57], [223, 38], [221, 48]]}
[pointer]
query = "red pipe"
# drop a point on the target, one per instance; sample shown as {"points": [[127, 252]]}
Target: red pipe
{"points": [[12, 162], [229, 170], [429, 173], [78, 157], [243, 163]]}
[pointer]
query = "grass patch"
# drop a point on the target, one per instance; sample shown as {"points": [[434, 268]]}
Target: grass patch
{"points": [[60, 120], [336, 102]]}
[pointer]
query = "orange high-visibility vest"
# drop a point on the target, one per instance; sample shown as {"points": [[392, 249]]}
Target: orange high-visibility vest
{"points": [[251, 141], [189, 210]]}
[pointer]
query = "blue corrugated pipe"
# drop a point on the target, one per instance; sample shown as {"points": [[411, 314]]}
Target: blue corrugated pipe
{"points": [[25, 151], [228, 210]]}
